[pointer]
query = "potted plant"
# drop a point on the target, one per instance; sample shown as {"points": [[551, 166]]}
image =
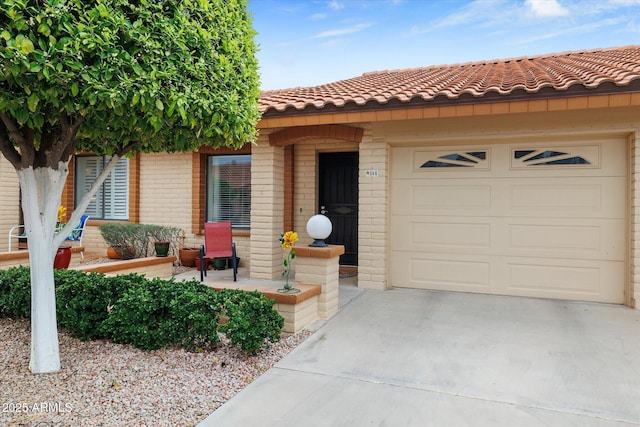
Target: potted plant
{"points": [[188, 256], [112, 253], [163, 237], [197, 263], [161, 248], [127, 240]]}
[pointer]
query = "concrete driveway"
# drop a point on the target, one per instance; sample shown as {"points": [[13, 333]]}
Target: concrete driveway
{"points": [[427, 358]]}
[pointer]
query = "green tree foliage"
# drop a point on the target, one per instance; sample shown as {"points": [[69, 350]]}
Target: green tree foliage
{"points": [[147, 75], [113, 77]]}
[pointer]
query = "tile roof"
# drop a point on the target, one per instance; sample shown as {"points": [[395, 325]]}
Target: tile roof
{"points": [[559, 74]]}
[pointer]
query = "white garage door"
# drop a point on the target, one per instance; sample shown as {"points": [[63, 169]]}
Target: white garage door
{"points": [[529, 219]]}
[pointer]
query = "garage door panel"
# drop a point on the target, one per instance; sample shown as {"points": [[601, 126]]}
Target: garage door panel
{"points": [[437, 234], [438, 271], [566, 279], [451, 196], [537, 237], [543, 197], [576, 197], [584, 239], [539, 220], [529, 277]]}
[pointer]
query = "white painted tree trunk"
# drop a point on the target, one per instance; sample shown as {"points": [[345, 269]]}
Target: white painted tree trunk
{"points": [[41, 194]]}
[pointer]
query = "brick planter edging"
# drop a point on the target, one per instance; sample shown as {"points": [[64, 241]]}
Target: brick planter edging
{"points": [[299, 310], [306, 292], [161, 267]]}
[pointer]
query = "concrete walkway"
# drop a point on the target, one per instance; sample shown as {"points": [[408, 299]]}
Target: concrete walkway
{"points": [[426, 358]]}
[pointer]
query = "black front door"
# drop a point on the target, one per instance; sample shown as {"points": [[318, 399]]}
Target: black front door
{"points": [[339, 201]]}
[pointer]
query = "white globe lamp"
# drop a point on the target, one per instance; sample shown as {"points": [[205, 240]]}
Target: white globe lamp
{"points": [[319, 228]]}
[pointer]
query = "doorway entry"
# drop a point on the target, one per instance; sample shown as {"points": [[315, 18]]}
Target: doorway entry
{"points": [[338, 200]]}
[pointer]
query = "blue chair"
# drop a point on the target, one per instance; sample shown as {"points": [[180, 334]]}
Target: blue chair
{"points": [[78, 232], [19, 232]]}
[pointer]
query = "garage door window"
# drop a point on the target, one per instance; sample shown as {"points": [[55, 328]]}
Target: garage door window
{"points": [[573, 156], [465, 159]]}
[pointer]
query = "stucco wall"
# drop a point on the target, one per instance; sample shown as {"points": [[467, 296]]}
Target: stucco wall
{"points": [[9, 199]]}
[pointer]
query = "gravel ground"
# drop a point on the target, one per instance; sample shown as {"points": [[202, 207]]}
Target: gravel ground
{"points": [[107, 384]]}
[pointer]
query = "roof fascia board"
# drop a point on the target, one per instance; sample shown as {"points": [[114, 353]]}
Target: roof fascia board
{"points": [[510, 106]]}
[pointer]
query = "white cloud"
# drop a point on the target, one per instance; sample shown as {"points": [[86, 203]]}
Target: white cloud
{"points": [[546, 8], [335, 5], [472, 13], [572, 31], [342, 31]]}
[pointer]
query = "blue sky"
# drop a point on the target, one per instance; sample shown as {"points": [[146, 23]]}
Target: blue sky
{"points": [[312, 42]]}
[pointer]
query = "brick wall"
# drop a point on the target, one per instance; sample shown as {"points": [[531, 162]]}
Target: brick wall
{"points": [[267, 212], [374, 214], [166, 193], [166, 190], [306, 179], [9, 199]]}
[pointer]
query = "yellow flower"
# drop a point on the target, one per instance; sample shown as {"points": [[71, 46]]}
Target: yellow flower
{"points": [[62, 213], [288, 239]]}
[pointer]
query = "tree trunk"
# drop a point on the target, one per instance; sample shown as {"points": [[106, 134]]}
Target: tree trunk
{"points": [[41, 192]]}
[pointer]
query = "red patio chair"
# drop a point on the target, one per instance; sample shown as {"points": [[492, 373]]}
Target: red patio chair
{"points": [[218, 243]]}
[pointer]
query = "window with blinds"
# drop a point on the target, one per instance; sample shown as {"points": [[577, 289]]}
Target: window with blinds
{"points": [[112, 199], [229, 189]]}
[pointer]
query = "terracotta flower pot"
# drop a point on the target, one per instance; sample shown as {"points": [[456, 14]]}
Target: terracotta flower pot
{"points": [[62, 258], [197, 263], [188, 256], [111, 253]]}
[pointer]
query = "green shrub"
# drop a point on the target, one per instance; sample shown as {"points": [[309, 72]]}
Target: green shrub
{"points": [[148, 314], [136, 240], [83, 301], [164, 233], [128, 240], [161, 312], [15, 292], [252, 319]]}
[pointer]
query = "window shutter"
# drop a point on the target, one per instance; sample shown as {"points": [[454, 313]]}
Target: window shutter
{"points": [[116, 196], [112, 199], [87, 170]]}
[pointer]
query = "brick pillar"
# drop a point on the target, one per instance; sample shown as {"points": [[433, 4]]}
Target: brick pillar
{"points": [[267, 210], [320, 266], [373, 214]]}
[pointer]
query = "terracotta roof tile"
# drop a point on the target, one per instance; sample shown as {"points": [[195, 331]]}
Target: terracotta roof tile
{"points": [[548, 75]]}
